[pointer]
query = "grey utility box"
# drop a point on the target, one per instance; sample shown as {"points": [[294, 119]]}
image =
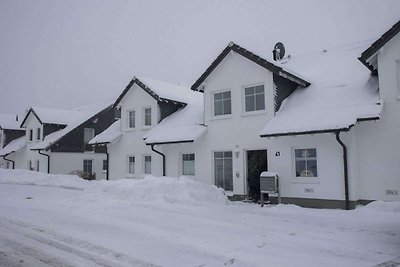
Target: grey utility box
{"points": [[269, 184]]}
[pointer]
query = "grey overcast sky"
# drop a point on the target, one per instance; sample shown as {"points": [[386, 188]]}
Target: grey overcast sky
{"points": [[69, 53]]}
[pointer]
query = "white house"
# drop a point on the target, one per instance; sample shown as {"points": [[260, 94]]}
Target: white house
{"points": [[56, 140], [10, 132]]}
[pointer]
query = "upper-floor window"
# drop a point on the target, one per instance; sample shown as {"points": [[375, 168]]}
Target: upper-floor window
{"points": [[131, 119], [147, 164], [254, 98], [188, 164], [147, 117], [222, 103], [87, 136], [30, 135], [306, 162], [38, 134]]}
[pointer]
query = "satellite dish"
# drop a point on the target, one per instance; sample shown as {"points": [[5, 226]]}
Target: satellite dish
{"points": [[279, 51]]}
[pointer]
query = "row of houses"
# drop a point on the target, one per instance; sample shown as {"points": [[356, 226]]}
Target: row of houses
{"points": [[327, 122]]}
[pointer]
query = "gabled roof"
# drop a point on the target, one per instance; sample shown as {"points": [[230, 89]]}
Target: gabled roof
{"points": [[378, 44], [109, 135], [160, 91], [253, 57], [14, 146], [342, 93], [9, 122], [86, 113], [47, 115]]}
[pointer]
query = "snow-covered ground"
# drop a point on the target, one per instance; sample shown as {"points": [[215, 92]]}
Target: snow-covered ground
{"points": [[60, 220]]}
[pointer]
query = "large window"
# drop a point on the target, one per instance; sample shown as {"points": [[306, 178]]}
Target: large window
{"points": [[88, 166], [188, 161], [147, 164], [87, 136], [38, 134], [306, 162], [223, 171], [147, 117], [254, 98], [131, 165], [222, 103], [131, 119]]}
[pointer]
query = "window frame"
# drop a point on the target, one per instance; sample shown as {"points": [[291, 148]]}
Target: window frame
{"points": [[305, 179], [30, 135], [128, 173], [128, 127], [38, 134], [37, 167], [91, 165], [105, 164], [214, 165], [145, 126], [87, 144], [222, 116], [182, 164], [144, 164], [255, 111]]}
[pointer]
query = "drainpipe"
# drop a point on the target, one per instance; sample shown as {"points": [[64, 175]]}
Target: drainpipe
{"points": [[163, 156], [345, 170], [48, 160], [108, 164], [9, 160]]}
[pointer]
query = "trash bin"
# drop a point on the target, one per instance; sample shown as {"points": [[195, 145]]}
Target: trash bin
{"points": [[269, 184]]}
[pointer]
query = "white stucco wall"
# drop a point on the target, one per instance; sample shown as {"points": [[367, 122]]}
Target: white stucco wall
{"points": [[237, 132], [379, 142], [131, 143]]}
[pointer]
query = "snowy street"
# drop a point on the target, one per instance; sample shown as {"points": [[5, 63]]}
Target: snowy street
{"points": [[153, 222]]}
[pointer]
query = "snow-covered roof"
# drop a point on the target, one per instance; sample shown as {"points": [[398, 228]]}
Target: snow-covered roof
{"points": [[159, 90], [109, 135], [53, 115], [8, 121], [14, 146], [185, 125], [80, 115], [342, 91]]}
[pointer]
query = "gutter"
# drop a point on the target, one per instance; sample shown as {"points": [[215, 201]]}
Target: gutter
{"points": [[163, 156], [48, 159], [345, 169], [9, 160]]}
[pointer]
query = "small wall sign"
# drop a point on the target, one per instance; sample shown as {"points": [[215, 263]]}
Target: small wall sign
{"points": [[308, 190], [392, 192]]}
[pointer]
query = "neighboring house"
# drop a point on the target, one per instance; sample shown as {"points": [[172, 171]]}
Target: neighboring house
{"points": [[56, 140], [9, 131], [142, 106]]}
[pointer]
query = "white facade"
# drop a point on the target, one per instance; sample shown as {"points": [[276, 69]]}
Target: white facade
{"points": [[131, 143]]}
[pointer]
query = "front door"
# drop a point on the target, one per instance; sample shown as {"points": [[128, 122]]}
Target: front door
{"points": [[256, 164]]}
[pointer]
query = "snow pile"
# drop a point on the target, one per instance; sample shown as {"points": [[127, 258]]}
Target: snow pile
{"points": [[38, 178], [382, 206], [14, 146], [156, 190], [109, 135]]}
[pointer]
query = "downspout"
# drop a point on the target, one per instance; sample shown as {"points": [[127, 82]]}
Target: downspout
{"points": [[48, 160], [163, 156], [345, 169], [9, 160]]}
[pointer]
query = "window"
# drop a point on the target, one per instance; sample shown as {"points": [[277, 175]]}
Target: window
{"points": [[131, 165], [222, 103], [30, 135], [105, 165], [38, 134], [223, 171], [131, 119], [147, 164], [87, 136], [88, 166], [306, 162], [7, 165], [147, 117], [30, 165], [254, 98], [37, 165], [188, 164]]}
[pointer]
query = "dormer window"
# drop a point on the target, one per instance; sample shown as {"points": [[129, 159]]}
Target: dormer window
{"points": [[38, 134], [254, 98], [147, 117], [30, 134], [131, 119]]}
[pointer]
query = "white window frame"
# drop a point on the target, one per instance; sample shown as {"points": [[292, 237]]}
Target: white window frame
{"points": [[30, 165], [37, 167], [213, 169], [254, 112], [144, 164], [128, 174], [144, 117], [83, 165], [310, 179], [128, 127], [38, 133], [30, 135], [104, 161], [222, 116], [182, 166]]}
